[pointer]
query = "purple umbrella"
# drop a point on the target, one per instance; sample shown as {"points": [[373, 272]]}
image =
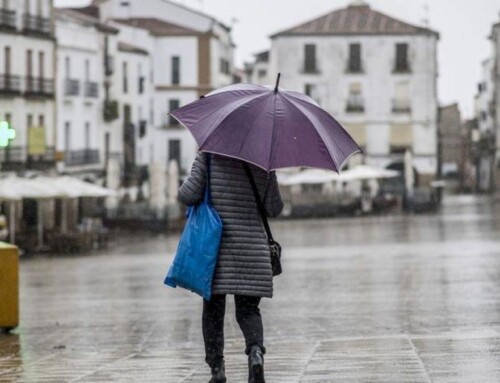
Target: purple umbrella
{"points": [[271, 128]]}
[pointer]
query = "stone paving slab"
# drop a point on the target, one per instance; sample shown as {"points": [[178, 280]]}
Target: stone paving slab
{"points": [[405, 299]]}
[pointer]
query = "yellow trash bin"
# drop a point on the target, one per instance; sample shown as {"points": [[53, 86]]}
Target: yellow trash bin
{"points": [[9, 286]]}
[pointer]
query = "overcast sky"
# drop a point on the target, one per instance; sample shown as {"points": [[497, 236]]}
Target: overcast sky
{"points": [[464, 26]]}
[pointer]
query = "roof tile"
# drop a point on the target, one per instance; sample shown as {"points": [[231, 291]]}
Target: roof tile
{"points": [[355, 20]]}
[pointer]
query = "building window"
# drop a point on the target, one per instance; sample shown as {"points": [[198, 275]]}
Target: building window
{"points": [[29, 120], [176, 75], [354, 64], [310, 58], [29, 63], [87, 135], [7, 61], [151, 111], [222, 65], [141, 80], [355, 99], [312, 91], [174, 151], [173, 105], [87, 70], [402, 64], [308, 89], [262, 73], [41, 65], [67, 137], [41, 121], [401, 102], [125, 78], [67, 68]]}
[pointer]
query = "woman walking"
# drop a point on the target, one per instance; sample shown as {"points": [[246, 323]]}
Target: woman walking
{"points": [[244, 264]]}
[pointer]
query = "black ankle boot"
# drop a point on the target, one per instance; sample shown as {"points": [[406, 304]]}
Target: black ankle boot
{"points": [[256, 365], [218, 373]]}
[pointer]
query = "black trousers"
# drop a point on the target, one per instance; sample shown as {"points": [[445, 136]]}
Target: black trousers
{"points": [[248, 317]]}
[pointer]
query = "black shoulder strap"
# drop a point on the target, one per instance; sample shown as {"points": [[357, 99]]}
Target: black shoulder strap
{"points": [[208, 193], [260, 205]]}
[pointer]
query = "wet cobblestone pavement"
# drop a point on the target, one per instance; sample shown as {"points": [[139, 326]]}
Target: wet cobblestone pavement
{"points": [[370, 299]]}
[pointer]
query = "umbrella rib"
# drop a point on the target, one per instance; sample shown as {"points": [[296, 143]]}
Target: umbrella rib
{"points": [[341, 130], [229, 114], [173, 114], [248, 132], [316, 130], [321, 110]]}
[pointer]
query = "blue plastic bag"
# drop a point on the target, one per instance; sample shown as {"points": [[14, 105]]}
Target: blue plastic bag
{"points": [[196, 256]]}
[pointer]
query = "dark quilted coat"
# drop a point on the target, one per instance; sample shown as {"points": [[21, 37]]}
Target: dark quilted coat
{"points": [[244, 264]]}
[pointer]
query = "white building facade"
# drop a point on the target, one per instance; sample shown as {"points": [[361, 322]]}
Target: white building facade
{"points": [[375, 74], [27, 88], [80, 79], [485, 109], [495, 105], [190, 54], [488, 118]]}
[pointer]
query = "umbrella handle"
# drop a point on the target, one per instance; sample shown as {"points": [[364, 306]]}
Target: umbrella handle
{"points": [[277, 83]]}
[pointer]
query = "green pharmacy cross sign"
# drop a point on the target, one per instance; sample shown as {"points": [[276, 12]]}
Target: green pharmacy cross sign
{"points": [[6, 134]]}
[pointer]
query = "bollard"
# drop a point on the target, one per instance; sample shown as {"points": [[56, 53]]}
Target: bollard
{"points": [[9, 287]]}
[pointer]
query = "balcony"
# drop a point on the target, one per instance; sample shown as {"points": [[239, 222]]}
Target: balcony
{"points": [[39, 87], [109, 65], [355, 104], [401, 106], [37, 25], [10, 85], [91, 89], [402, 67], [354, 67], [110, 110], [81, 157], [16, 158], [7, 19], [71, 87]]}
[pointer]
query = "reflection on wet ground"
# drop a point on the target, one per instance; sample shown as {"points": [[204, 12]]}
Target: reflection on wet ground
{"points": [[368, 299]]}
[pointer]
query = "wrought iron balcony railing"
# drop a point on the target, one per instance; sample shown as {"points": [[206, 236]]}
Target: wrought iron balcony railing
{"points": [[7, 18], [355, 104], [37, 25], [10, 84], [39, 87], [71, 87], [81, 157], [91, 89], [16, 158], [401, 106]]}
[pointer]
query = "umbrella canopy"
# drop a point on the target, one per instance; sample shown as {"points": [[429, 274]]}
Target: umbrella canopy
{"points": [[366, 172], [271, 128]]}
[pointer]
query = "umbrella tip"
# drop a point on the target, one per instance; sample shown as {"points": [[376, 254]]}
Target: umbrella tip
{"points": [[277, 83]]}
